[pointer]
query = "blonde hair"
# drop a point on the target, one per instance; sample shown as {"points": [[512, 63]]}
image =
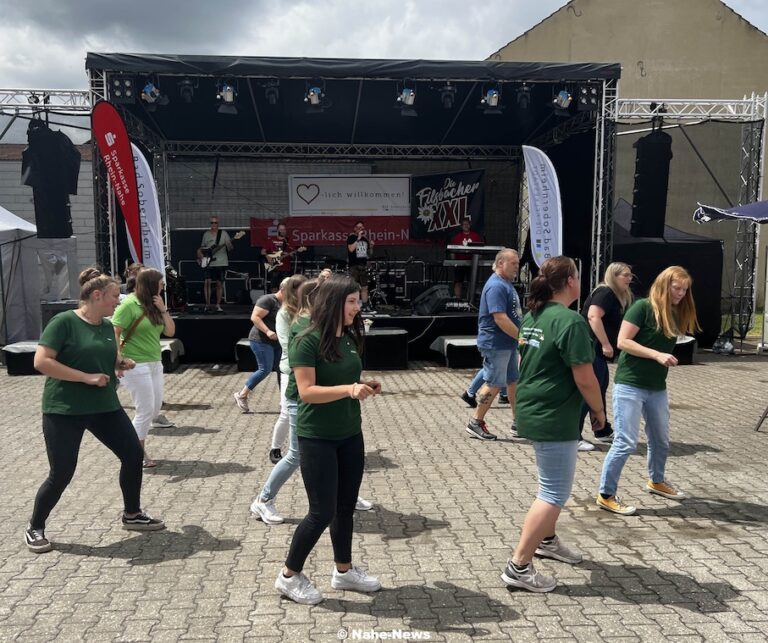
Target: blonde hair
{"points": [[609, 279], [673, 320], [290, 287], [92, 279]]}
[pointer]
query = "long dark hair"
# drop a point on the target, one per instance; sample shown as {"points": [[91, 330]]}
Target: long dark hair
{"points": [[147, 286], [328, 312], [553, 277]]}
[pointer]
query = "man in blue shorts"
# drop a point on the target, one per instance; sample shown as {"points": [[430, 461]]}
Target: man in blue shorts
{"points": [[497, 328]]}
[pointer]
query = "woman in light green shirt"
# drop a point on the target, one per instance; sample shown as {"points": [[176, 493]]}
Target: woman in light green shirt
{"points": [[139, 321]]}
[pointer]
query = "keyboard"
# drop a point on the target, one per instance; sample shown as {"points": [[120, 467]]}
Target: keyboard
{"points": [[459, 263]]}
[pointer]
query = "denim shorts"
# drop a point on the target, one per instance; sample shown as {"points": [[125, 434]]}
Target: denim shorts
{"points": [[556, 462], [499, 367]]}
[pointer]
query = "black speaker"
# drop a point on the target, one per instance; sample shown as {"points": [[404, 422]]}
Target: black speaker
{"points": [[50, 308], [649, 197], [432, 300]]}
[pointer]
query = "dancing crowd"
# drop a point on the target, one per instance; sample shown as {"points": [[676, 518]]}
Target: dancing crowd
{"points": [[552, 362]]}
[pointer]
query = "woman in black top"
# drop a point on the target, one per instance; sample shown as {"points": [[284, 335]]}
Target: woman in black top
{"points": [[604, 310]]}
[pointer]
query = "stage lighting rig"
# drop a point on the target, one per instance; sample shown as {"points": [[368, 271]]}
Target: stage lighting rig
{"points": [[122, 90], [152, 96], [406, 98], [589, 98], [315, 97], [490, 102], [563, 99], [226, 93], [187, 89], [448, 95], [271, 91], [524, 97]]}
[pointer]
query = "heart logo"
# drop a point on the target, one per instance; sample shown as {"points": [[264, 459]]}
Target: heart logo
{"points": [[307, 192]]}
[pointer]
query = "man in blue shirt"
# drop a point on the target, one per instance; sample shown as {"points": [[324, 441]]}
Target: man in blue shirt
{"points": [[497, 328]]}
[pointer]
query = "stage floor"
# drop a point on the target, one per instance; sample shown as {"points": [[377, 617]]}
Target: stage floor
{"points": [[212, 337]]}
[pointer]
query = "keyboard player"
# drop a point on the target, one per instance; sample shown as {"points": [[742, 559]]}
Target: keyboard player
{"points": [[466, 237]]}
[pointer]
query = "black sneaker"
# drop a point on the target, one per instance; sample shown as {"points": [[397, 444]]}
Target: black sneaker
{"points": [[142, 522], [513, 429], [477, 429], [469, 399], [503, 399], [275, 455], [604, 435], [36, 540]]}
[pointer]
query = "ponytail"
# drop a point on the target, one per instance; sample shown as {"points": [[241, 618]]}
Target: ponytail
{"points": [[552, 278]]}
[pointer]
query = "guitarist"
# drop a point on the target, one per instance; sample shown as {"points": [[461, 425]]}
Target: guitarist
{"points": [[279, 243], [214, 271]]}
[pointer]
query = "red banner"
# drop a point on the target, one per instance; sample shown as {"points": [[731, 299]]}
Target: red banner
{"points": [[115, 149], [333, 231]]}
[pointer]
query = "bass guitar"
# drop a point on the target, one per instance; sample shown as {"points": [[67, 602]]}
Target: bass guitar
{"points": [[206, 254], [274, 259]]}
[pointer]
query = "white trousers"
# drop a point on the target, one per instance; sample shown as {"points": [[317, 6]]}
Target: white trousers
{"points": [[145, 384], [280, 431]]}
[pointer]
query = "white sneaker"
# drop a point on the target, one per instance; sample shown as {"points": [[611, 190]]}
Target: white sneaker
{"points": [[242, 402], [362, 504], [266, 512], [355, 580], [162, 422], [298, 588], [586, 446]]}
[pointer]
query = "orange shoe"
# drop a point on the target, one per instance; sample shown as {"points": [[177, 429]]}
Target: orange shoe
{"points": [[664, 489], [614, 505]]}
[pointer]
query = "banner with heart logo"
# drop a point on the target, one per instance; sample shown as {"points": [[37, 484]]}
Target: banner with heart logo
{"points": [[361, 195]]}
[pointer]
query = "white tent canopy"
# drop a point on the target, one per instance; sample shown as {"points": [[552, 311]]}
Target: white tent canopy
{"points": [[31, 270]]}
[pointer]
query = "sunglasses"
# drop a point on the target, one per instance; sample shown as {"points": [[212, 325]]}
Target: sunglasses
{"points": [[214, 223]]}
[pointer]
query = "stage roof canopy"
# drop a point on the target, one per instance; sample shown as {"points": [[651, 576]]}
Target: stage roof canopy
{"points": [[360, 98]]}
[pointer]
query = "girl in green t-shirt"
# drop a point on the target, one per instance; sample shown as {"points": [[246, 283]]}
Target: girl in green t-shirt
{"points": [[647, 338], [78, 355], [555, 375], [139, 321], [327, 367]]}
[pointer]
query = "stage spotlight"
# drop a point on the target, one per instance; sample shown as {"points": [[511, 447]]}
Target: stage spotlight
{"points": [[589, 98], [491, 101], [187, 90], [524, 97], [448, 95], [314, 96], [33, 99], [271, 92], [563, 99], [152, 96], [226, 93], [122, 90], [407, 96]]}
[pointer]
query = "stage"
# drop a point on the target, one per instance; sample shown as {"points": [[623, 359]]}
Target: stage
{"points": [[213, 337]]}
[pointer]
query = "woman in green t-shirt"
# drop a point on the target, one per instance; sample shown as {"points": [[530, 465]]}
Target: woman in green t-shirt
{"points": [[556, 374], [326, 364], [139, 321], [78, 354], [647, 338]]}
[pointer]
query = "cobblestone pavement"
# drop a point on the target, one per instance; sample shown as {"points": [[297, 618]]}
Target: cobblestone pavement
{"points": [[447, 511]]}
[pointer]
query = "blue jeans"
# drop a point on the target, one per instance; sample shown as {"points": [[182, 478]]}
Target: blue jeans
{"points": [[629, 405], [556, 462], [477, 382], [267, 355], [600, 366], [289, 462]]}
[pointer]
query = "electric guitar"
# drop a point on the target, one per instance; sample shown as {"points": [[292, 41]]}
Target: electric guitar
{"points": [[207, 253], [274, 259]]}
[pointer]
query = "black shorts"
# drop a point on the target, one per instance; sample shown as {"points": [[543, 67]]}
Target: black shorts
{"points": [[214, 274], [461, 274]]}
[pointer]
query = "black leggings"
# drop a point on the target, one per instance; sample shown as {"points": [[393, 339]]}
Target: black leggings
{"points": [[332, 472], [63, 434]]}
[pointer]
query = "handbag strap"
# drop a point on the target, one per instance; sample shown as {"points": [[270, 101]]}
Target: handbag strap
{"points": [[132, 328]]}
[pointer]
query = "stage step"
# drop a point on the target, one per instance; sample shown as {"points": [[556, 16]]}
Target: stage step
{"points": [[459, 351], [20, 357]]}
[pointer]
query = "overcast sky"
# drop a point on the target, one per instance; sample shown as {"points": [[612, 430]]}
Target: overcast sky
{"points": [[43, 42]]}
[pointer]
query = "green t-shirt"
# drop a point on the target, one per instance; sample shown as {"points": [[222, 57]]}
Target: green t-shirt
{"points": [[332, 420], [548, 400], [87, 348], [639, 371], [144, 343], [298, 326]]}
